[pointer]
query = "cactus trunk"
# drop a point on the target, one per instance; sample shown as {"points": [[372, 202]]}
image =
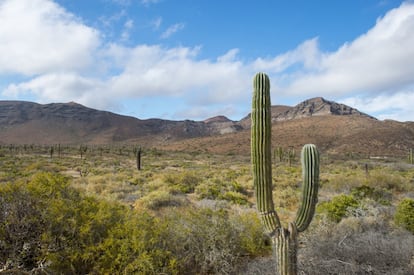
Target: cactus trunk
{"points": [[261, 152], [285, 240], [285, 245]]}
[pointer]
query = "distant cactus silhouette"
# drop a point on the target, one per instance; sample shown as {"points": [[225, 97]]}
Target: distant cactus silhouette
{"points": [[139, 158], [284, 239]]}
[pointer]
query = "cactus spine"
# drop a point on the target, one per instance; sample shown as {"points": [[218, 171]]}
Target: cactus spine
{"points": [[285, 239]]}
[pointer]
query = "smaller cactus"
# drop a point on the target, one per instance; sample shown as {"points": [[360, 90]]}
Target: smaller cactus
{"points": [[82, 150], [291, 155], [279, 153], [138, 158], [51, 151], [410, 156]]}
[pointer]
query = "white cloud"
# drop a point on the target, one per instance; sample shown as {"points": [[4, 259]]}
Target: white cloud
{"points": [[58, 87], [38, 36], [53, 50], [306, 54], [153, 70], [398, 106], [379, 60], [172, 29]]}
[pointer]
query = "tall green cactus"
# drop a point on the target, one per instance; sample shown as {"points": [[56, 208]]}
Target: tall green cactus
{"points": [[285, 239], [410, 156]]}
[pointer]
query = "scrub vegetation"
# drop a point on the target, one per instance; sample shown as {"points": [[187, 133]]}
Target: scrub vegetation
{"points": [[68, 210]]}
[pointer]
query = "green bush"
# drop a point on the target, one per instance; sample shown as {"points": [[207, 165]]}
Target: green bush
{"points": [[158, 199], [404, 215], [366, 192], [214, 241], [338, 207], [209, 190], [216, 189], [234, 197], [184, 182], [47, 221]]}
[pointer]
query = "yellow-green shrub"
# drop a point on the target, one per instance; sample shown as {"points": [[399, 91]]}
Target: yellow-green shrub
{"points": [[404, 215], [338, 207], [158, 199], [47, 220]]}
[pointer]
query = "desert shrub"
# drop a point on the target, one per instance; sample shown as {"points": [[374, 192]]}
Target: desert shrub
{"points": [[386, 180], [209, 190], [47, 225], [341, 182], [184, 182], [158, 199], [21, 227], [404, 215], [138, 181], [253, 240], [285, 197], [366, 192], [238, 187], [338, 207], [356, 246], [234, 197], [215, 189], [213, 241]]}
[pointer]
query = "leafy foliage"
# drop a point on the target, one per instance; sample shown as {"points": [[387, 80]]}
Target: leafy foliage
{"points": [[48, 221], [338, 207], [46, 224], [405, 214]]}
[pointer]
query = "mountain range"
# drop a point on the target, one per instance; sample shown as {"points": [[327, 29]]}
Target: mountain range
{"points": [[334, 127]]}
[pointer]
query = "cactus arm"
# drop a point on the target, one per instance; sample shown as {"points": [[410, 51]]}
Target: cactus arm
{"points": [[310, 172], [261, 151]]}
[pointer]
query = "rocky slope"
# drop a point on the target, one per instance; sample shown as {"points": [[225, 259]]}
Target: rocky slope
{"points": [[317, 106], [27, 122], [334, 127]]}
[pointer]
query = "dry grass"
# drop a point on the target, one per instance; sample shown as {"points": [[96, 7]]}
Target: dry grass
{"points": [[365, 242]]}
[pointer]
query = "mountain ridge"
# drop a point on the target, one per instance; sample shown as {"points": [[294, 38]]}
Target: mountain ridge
{"points": [[23, 122]]}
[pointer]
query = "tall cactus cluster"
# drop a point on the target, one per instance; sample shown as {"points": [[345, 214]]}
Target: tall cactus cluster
{"points": [[284, 239]]}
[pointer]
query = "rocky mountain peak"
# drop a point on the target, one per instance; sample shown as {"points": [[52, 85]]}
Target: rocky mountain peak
{"points": [[317, 106], [217, 119]]}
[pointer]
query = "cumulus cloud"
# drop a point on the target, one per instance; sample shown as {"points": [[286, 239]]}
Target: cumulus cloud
{"points": [[153, 70], [379, 60], [307, 54], [398, 106], [63, 87], [38, 36], [54, 50]]}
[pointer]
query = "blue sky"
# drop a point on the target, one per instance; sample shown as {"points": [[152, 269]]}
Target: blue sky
{"points": [[194, 59]]}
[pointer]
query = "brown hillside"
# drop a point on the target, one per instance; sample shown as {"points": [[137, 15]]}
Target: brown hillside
{"points": [[332, 134], [335, 128]]}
